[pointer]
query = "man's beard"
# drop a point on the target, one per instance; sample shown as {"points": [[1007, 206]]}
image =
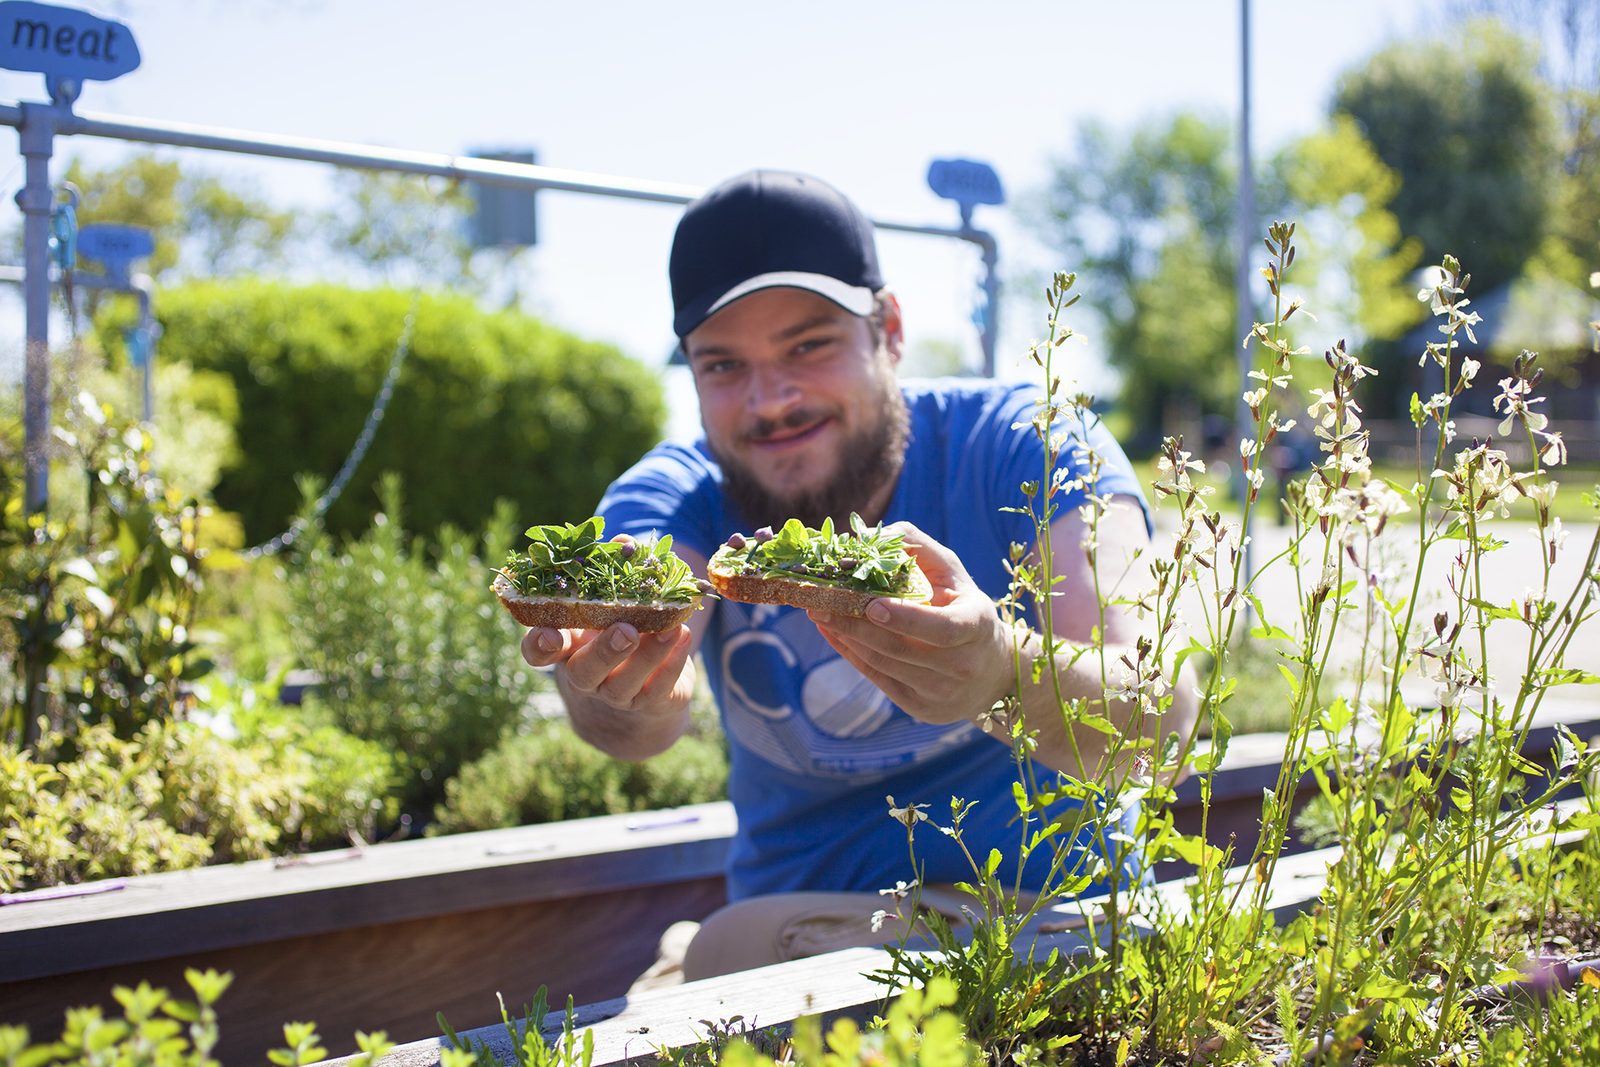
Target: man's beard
{"points": [[868, 459]]}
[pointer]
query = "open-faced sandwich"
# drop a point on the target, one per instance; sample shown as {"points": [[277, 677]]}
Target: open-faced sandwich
{"points": [[805, 568], [569, 578]]}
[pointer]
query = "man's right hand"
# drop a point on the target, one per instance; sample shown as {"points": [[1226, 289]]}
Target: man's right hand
{"points": [[649, 674]]}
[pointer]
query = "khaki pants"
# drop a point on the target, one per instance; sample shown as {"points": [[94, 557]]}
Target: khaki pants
{"points": [[759, 931]]}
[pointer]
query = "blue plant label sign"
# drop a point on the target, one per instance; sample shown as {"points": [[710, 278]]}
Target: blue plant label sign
{"points": [[63, 42], [966, 181], [114, 245]]}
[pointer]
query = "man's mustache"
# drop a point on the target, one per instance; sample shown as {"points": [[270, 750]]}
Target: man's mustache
{"points": [[794, 420]]}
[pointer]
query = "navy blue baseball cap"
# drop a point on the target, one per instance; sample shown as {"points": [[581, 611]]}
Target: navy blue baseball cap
{"points": [[768, 229]]}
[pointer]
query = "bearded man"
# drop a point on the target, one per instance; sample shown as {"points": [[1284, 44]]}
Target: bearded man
{"points": [[794, 341]]}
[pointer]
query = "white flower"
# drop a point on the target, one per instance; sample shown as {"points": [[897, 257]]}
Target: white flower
{"points": [[878, 918], [1254, 397], [1247, 447], [1469, 369], [907, 816], [1554, 450]]}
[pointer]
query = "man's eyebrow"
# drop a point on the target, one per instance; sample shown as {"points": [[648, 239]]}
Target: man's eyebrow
{"points": [[825, 318]]}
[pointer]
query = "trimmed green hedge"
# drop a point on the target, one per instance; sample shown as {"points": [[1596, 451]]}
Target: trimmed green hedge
{"points": [[488, 405]]}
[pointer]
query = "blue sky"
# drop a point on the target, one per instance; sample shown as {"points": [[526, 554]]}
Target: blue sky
{"points": [[861, 94]]}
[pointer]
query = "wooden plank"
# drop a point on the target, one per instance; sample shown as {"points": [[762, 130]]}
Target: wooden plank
{"points": [[396, 976], [631, 1029], [213, 908]]}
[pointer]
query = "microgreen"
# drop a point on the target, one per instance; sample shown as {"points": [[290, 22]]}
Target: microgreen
{"points": [[571, 561], [862, 557]]}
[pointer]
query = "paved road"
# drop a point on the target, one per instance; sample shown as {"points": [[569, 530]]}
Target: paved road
{"points": [[1508, 573]]}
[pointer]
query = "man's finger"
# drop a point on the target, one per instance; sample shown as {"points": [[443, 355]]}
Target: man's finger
{"points": [[622, 686], [544, 645], [880, 668], [590, 665], [890, 622]]}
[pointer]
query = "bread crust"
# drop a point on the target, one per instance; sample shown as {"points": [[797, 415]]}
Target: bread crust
{"points": [[561, 613], [799, 593]]}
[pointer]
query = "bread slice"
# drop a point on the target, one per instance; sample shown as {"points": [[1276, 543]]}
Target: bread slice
{"points": [[647, 616], [797, 592]]}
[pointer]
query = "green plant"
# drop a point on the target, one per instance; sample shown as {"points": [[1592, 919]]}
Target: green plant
{"points": [[524, 1039], [571, 560], [525, 412], [90, 805], [917, 1030], [548, 774], [862, 557], [99, 599], [410, 650], [1434, 807], [160, 1030]]}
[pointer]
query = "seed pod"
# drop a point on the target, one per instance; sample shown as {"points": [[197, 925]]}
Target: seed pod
{"points": [[704, 586], [764, 535], [629, 549], [737, 541]]}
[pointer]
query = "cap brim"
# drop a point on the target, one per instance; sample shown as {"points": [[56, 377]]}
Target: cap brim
{"points": [[856, 299]]}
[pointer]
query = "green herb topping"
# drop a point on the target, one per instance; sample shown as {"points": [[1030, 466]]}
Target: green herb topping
{"points": [[573, 562], [862, 557]]}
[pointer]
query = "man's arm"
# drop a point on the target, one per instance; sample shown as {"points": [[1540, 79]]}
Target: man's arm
{"points": [[953, 659], [627, 693]]}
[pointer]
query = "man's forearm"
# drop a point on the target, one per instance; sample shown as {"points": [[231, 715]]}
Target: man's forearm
{"points": [[624, 735]]}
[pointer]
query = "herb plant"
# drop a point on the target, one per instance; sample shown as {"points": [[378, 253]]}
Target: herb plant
{"points": [[1416, 752], [572, 562], [862, 557]]}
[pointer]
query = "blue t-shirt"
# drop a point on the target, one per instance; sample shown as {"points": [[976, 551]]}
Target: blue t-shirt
{"points": [[815, 747]]}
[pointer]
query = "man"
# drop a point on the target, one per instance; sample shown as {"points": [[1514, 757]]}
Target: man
{"points": [[793, 342]]}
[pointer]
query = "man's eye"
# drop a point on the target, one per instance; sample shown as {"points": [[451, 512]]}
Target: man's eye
{"points": [[711, 367], [812, 344]]}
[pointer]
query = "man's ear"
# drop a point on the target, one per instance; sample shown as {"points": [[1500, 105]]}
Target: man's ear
{"points": [[894, 337]]}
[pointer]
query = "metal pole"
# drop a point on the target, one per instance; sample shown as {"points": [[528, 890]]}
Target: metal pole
{"points": [[432, 164], [989, 328], [1245, 321], [36, 131], [141, 285]]}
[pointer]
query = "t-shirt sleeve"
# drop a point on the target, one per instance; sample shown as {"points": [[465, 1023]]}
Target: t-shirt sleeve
{"points": [[672, 490]]}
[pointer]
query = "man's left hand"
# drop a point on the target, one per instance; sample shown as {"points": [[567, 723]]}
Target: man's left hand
{"points": [[943, 661]]}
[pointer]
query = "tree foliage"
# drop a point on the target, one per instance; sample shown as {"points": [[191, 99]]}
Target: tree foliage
{"points": [[1472, 132], [1148, 219], [203, 225]]}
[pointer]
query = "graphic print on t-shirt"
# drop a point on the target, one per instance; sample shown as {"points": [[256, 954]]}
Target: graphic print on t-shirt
{"points": [[795, 703]]}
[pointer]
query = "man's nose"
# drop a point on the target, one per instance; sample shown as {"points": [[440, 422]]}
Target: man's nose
{"points": [[772, 392]]}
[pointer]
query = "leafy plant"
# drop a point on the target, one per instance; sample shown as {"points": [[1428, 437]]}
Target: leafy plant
{"points": [[90, 805], [543, 418], [100, 599], [1433, 806], [548, 774], [160, 1030], [571, 561], [862, 557], [406, 656], [525, 1040]]}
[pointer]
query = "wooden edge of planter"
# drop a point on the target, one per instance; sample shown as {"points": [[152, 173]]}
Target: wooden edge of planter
{"points": [[629, 1029], [130, 920], [638, 1027], [149, 917]]}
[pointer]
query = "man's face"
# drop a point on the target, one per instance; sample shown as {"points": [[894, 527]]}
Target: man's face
{"points": [[800, 406]]}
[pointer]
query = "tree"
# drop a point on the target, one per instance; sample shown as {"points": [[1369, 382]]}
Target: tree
{"points": [[202, 224], [405, 230], [1472, 132], [1146, 221]]}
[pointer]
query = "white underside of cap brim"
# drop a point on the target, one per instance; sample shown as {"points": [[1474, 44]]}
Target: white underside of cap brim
{"points": [[856, 299]]}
